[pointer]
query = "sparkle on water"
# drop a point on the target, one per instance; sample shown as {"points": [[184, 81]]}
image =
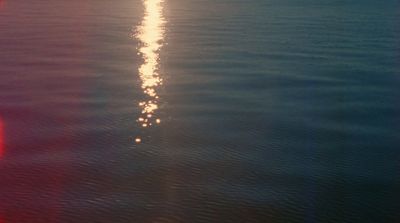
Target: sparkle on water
{"points": [[150, 33], [138, 140]]}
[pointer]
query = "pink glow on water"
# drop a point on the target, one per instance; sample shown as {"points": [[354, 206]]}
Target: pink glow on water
{"points": [[2, 5], [1, 149], [2, 146]]}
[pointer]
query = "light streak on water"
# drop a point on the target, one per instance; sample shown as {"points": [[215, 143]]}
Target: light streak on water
{"points": [[150, 34]]}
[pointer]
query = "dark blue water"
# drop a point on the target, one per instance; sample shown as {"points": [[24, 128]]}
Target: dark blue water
{"points": [[271, 111]]}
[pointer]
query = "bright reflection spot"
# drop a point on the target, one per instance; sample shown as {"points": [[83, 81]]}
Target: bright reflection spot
{"points": [[150, 33]]}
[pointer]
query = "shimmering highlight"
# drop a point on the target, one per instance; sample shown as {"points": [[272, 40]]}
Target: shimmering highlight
{"points": [[150, 33]]}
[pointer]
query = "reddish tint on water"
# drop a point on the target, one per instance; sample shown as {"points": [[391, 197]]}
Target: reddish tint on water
{"points": [[2, 4], [1, 141], [34, 193]]}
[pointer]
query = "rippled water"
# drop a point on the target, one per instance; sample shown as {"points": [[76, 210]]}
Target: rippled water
{"points": [[260, 111]]}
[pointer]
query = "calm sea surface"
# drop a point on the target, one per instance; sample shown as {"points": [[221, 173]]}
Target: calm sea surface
{"points": [[199, 111]]}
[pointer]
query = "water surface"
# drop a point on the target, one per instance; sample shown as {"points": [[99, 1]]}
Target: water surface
{"points": [[260, 111]]}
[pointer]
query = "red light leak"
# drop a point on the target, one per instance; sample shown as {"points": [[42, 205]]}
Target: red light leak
{"points": [[2, 4], [1, 141], [1, 147]]}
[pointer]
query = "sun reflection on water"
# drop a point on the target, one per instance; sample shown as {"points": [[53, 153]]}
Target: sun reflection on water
{"points": [[150, 33]]}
